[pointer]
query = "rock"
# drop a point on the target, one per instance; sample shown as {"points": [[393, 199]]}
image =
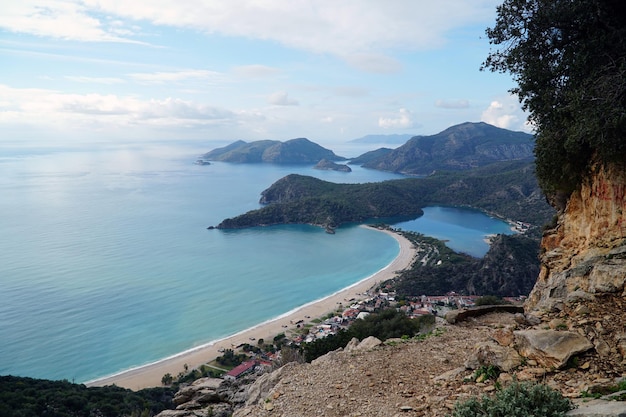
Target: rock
{"points": [[261, 388], [489, 353], [504, 337], [579, 295], [599, 408], [550, 349], [449, 375], [352, 344], [603, 348], [366, 344]]}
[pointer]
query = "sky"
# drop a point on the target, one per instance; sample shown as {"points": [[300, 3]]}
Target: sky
{"points": [[93, 71]]}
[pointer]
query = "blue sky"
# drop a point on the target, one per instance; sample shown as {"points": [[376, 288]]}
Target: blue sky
{"points": [[88, 71]]}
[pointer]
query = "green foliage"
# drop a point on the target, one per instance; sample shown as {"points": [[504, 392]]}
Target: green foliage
{"points": [[485, 373], [569, 61], [28, 397], [230, 359], [386, 324], [516, 400], [509, 190], [509, 268]]}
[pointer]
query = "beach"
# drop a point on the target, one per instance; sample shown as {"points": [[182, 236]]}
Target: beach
{"points": [[150, 375]]}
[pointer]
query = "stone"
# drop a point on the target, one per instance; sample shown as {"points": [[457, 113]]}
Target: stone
{"points": [[579, 295], [599, 408], [551, 349], [504, 337], [449, 375], [368, 343], [489, 353], [603, 348]]}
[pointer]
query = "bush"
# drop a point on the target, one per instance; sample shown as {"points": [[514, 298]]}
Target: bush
{"points": [[517, 400]]}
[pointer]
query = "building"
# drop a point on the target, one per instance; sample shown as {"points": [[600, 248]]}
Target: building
{"points": [[240, 370]]}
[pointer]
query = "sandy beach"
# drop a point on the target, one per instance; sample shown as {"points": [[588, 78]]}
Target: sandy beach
{"points": [[150, 375]]}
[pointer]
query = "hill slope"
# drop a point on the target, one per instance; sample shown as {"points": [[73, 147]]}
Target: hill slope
{"points": [[508, 189], [460, 147], [294, 151]]}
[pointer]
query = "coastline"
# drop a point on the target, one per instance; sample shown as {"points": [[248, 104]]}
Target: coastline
{"points": [[150, 375]]}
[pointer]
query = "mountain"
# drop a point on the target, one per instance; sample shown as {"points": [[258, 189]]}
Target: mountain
{"points": [[507, 189], [396, 139], [294, 151], [370, 156], [460, 147]]}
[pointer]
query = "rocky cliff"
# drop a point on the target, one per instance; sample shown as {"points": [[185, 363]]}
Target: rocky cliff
{"points": [[586, 250]]}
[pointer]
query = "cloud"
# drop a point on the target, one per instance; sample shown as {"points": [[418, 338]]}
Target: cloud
{"points": [[47, 107], [354, 29], [402, 121], [95, 80], [452, 104], [168, 77], [281, 98], [506, 112], [64, 19]]}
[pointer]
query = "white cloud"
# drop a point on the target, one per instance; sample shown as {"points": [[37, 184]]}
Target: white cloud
{"points": [[281, 98], [355, 29], [402, 121], [38, 107], [506, 112], [94, 80], [452, 104], [174, 76], [64, 19]]}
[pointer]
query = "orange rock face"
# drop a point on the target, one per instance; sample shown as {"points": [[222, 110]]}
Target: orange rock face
{"points": [[587, 249]]}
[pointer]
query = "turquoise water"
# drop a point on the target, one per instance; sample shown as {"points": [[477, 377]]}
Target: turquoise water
{"points": [[106, 263], [458, 227]]}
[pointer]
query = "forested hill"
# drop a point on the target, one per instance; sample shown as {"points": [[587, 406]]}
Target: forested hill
{"points": [[294, 151], [507, 189], [464, 146]]}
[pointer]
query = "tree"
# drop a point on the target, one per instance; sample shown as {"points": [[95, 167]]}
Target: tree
{"points": [[568, 58]]}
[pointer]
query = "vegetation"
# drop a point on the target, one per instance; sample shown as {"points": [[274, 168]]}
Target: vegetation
{"points": [[568, 59], [508, 189], [28, 397], [516, 400], [387, 324], [510, 268]]}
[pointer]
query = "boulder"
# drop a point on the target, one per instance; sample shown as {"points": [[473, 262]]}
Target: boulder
{"points": [[551, 349], [492, 354]]}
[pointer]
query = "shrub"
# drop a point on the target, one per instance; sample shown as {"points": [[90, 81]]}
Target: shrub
{"points": [[517, 400]]}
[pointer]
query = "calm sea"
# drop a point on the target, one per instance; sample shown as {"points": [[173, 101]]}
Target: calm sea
{"points": [[106, 262]]}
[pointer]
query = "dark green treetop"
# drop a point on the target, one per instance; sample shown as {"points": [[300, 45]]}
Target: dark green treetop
{"points": [[568, 58]]}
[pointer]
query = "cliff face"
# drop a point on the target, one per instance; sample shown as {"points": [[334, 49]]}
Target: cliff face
{"points": [[586, 251]]}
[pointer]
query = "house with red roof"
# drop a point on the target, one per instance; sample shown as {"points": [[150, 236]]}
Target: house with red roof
{"points": [[240, 370]]}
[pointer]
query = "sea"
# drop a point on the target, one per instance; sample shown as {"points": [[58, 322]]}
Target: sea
{"points": [[106, 262]]}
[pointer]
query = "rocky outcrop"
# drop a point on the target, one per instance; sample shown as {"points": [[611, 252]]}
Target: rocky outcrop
{"points": [[550, 349], [586, 250]]}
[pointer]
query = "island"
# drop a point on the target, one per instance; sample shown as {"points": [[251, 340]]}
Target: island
{"points": [[327, 165]]}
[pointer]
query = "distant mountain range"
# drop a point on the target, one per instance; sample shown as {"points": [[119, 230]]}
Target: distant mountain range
{"points": [[460, 147], [294, 151]]}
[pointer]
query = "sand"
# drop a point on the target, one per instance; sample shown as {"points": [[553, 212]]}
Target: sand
{"points": [[150, 375]]}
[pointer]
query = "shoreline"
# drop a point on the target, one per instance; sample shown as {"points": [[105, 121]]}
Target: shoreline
{"points": [[149, 375]]}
